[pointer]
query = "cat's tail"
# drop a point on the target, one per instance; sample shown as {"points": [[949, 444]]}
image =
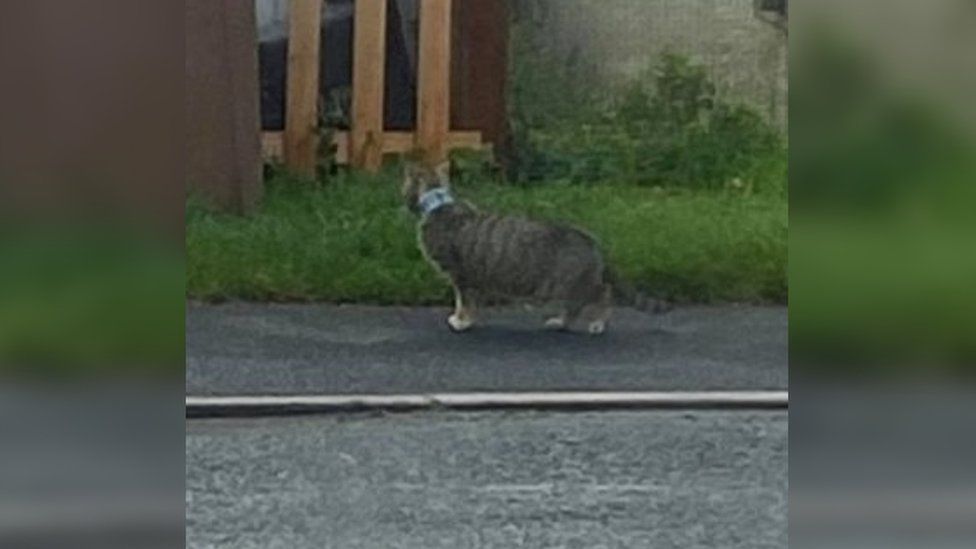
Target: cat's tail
{"points": [[629, 296]]}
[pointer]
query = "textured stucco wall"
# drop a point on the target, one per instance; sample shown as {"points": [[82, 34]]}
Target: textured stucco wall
{"points": [[746, 57]]}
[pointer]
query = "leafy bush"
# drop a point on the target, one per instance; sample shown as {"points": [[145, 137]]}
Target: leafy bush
{"points": [[666, 128]]}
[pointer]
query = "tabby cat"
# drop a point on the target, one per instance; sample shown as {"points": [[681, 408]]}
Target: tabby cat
{"points": [[487, 257]]}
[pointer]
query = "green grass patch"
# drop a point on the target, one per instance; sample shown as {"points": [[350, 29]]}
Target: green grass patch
{"points": [[882, 293], [80, 300], [351, 240]]}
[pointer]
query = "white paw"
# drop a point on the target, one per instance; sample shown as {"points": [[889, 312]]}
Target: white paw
{"points": [[459, 324], [597, 328], [556, 323]]}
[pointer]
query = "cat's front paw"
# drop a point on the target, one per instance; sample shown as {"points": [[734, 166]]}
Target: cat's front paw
{"points": [[459, 324], [556, 323]]}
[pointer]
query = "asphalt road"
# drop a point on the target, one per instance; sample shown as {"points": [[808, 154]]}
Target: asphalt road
{"points": [[490, 480], [240, 349]]}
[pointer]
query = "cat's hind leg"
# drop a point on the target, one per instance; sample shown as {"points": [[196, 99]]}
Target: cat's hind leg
{"points": [[464, 311], [597, 313], [565, 315]]}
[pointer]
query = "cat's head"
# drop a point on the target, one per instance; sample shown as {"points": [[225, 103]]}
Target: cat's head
{"points": [[419, 178]]}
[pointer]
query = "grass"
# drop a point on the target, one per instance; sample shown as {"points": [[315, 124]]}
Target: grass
{"points": [[352, 241], [86, 300], [878, 292], [690, 204]]}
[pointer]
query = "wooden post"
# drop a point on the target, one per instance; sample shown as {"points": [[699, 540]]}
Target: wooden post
{"points": [[223, 154], [301, 123], [369, 65], [479, 70], [433, 79]]}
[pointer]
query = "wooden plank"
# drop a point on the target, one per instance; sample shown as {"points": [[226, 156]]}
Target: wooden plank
{"points": [[369, 64], [433, 79], [479, 70], [393, 143], [466, 140], [301, 123], [222, 151], [404, 142]]}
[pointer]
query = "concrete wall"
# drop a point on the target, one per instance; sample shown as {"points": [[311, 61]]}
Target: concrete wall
{"points": [[746, 57]]}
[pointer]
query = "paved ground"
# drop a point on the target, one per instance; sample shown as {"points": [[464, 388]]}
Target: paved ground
{"points": [[624, 479], [320, 349], [490, 480]]}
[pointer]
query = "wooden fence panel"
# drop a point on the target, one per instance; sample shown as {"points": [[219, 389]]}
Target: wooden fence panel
{"points": [[369, 62], [368, 140], [433, 79], [301, 126]]}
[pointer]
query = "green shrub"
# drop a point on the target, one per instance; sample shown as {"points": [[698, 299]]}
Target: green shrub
{"points": [[665, 128]]}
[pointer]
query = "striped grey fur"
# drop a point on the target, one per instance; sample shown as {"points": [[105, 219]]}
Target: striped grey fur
{"points": [[489, 257]]}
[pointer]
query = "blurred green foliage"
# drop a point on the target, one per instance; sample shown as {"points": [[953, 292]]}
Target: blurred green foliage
{"points": [[882, 267], [863, 145], [89, 300]]}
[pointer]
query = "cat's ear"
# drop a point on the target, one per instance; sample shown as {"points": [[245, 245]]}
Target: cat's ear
{"points": [[411, 172], [411, 187], [443, 173]]}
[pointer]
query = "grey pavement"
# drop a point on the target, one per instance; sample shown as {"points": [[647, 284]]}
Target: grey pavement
{"points": [[241, 349], [490, 480]]}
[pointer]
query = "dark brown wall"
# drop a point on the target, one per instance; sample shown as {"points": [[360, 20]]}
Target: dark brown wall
{"points": [[479, 68], [223, 147], [90, 110]]}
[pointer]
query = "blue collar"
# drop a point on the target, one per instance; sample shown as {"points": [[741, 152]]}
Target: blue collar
{"points": [[434, 200]]}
